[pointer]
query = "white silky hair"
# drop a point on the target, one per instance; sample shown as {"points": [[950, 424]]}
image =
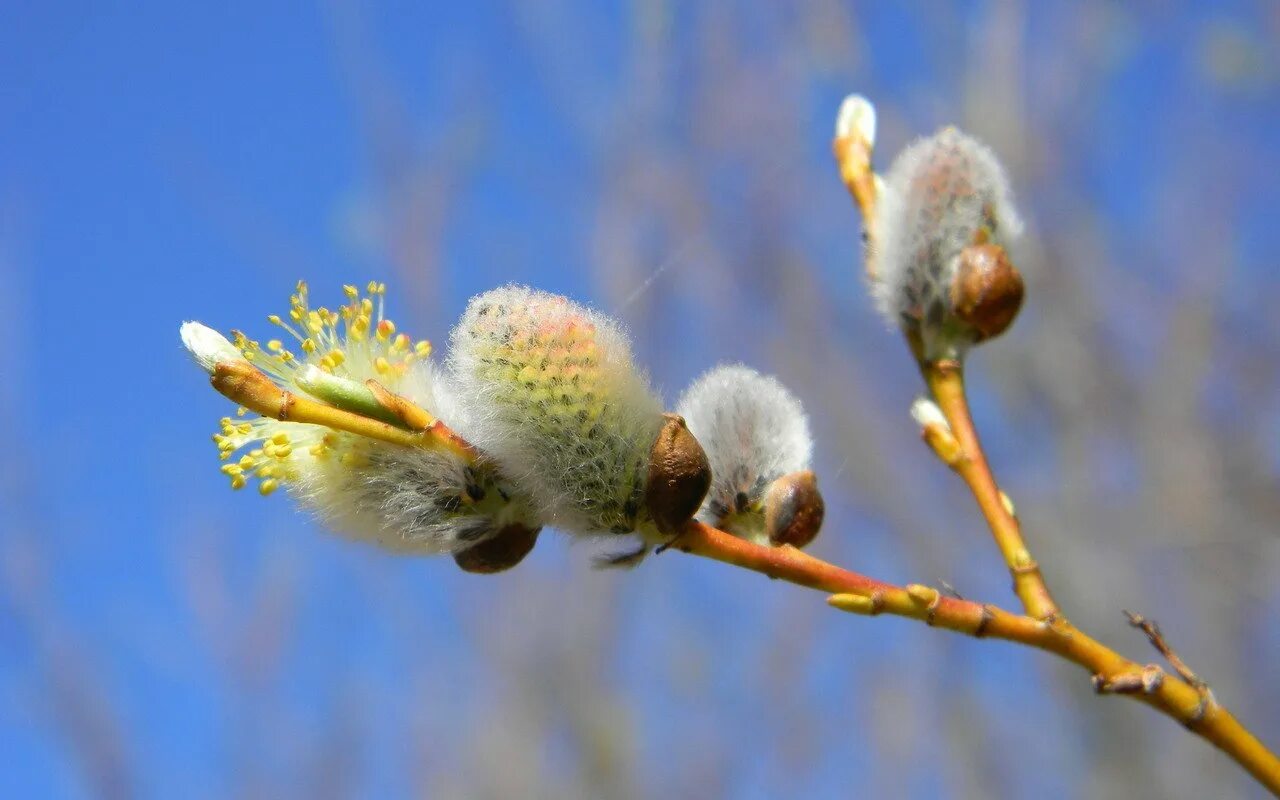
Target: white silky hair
{"points": [[753, 430], [408, 499], [208, 347], [548, 388], [927, 414], [939, 192]]}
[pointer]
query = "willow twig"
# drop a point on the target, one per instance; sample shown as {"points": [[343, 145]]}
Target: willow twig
{"points": [[1183, 697], [245, 384], [1154, 635], [1112, 672], [946, 381]]}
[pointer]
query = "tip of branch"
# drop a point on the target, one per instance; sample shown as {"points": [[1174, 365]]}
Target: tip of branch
{"points": [[208, 347], [857, 118]]}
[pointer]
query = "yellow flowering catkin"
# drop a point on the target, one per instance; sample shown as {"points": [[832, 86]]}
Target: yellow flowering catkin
{"points": [[408, 499]]}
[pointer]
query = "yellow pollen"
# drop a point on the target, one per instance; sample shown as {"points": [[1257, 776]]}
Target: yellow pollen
{"points": [[351, 291], [274, 319], [422, 348], [385, 329], [267, 487], [352, 460], [381, 365], [308, 346], [237, 482]]}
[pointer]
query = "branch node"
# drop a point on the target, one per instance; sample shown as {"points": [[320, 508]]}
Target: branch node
{"points": [[1145, 680], [983, 621], [928, 597], [1049, 624], [1008, 505], [1021, 563], [877, 601], [1197, 715], [286, 405], [854, 604]]}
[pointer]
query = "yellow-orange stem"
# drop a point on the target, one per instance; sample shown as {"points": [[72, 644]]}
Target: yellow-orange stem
{"points": [[853, 157], [1171, 695], [248, 386], [946, 382]]}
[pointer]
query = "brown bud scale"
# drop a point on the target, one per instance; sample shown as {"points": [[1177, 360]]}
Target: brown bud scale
{"points": [[987, 291], [679, 476], [793, 509], [500, 552]]}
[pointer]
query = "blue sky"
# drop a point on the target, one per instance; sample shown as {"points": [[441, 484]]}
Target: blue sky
{"points": [[161, 161]]}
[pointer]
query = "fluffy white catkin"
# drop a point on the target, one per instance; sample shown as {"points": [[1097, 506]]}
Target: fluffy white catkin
{"points": [[754, 431], [942, 194], [548, 388]]}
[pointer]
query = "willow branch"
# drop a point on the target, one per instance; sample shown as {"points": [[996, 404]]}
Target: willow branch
{"points": [[1112, 672], [946, 381], [1184, 697], [246, 385], [1156, 637]]}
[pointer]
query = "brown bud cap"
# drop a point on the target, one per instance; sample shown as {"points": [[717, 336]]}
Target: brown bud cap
{"points": [[498, 553], [793, 509], [679, 476], [987, 291]]}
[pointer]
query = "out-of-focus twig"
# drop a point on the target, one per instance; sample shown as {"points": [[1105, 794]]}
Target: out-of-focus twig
{"points": [[1156, 637]]}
